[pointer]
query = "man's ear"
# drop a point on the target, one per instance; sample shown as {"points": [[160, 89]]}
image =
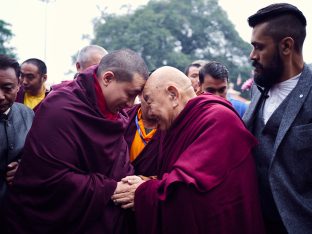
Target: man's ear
{"points": [[18, 87], [107, 77], [173, 95], [45, 77], [286, 45]]}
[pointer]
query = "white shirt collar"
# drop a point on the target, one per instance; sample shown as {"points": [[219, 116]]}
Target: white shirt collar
{"points": [[7, 111], [277, 94]]}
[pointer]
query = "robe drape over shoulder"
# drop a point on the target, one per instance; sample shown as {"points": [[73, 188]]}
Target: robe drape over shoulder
{"points": [[72, 160], [207, 181], [146, 163]]}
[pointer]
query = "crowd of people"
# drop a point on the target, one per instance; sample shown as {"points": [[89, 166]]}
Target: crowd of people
{"points": [[84, 157]]}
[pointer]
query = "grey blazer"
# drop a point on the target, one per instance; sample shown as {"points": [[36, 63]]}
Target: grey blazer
{"points": [[13, 132], [290, 171]]}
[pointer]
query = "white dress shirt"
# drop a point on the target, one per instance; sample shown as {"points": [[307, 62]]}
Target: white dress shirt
{"points": [[277, 94]]}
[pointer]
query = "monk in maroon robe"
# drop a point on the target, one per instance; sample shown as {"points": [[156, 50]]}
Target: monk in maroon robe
{"points": [[75, 153], [206, 182]]}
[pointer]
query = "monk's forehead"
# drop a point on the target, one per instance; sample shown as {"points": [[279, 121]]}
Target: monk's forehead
{"points": [[149, 86]]}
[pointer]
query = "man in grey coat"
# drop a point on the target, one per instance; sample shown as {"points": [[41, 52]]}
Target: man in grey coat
{"points": [[15, 122], [280, 116]]}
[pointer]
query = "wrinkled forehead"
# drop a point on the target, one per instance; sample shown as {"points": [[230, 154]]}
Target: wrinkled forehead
{"points": [[149, 90]]}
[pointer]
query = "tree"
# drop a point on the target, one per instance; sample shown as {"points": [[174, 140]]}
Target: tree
{"points": [[176, 32], [5, 37]]}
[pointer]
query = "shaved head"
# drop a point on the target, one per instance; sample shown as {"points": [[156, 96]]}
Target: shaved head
{"points": [[88, 56], [167, 75], [166, 93]]}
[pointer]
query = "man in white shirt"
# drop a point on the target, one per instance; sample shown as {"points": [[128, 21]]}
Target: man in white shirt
{"points": [[280, 116]]}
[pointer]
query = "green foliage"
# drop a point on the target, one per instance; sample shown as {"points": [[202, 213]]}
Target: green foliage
{"points": [[175, 33], [5, 37]]}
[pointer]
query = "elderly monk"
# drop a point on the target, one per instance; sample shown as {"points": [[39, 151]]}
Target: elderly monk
{"points": [[75, 152], [206, 182]]}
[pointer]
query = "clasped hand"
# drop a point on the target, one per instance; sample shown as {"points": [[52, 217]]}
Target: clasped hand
{"points": [[124, 193]]}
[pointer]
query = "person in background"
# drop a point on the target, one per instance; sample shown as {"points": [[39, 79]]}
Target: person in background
{"points": [[280, 116], [33, 77], [192, 72], [75, 154], [214, 78], [88, 56], [143, 140], [206, 182], [15, 122]]}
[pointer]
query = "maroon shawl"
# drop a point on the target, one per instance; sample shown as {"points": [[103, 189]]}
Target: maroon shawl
{"points": [[208, 182], [147, 161], [73, 158]]}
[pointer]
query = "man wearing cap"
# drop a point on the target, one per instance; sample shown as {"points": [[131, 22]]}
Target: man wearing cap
{"points": [[280, 116]]}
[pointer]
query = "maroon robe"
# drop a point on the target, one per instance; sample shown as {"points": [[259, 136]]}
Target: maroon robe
{"points": [[207, 181], [73, 158], [146, 163]]}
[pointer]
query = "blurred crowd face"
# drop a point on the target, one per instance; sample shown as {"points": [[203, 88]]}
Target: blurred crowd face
{"points": [[194, 76], [145, 110], [31, 80], [215, 86], [8, 88]]}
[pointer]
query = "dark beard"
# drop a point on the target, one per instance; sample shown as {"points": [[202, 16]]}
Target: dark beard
{"points": [[270, 75]]}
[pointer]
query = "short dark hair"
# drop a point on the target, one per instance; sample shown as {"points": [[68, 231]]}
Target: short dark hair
{"points": [[216, 70], [284, 20], [42, 68], [187, 69], [124, 63], [7, 62]]}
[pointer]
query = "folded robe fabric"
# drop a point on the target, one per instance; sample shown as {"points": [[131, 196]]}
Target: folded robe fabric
{"points": [[207, 181], [73, 157]]}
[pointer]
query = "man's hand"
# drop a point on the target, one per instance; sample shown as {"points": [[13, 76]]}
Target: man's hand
{"points": [[11, 170], [124, 193]]}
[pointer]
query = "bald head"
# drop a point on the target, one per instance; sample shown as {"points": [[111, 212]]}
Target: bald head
{"points": [[167, 76], [88, 56], [166, 92]]}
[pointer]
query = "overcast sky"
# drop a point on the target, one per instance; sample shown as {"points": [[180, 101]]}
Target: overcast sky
{"points": [[57, 39]]}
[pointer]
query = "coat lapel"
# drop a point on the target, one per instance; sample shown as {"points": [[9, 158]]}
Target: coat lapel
{"points": [[299, 95], [251, 111]]}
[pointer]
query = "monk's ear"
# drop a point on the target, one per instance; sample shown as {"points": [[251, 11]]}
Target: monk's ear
{"points": [[78, 66], [108, 77], [173, 95]]}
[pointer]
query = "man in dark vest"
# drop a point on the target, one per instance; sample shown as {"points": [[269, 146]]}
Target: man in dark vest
{"points": [[280, 116]]}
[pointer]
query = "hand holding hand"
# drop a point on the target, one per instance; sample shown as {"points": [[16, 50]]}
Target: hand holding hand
{"points": [[124, 193]]}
